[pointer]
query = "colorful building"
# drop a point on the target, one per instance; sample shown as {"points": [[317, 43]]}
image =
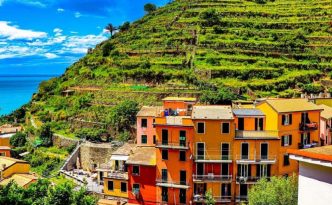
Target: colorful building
{"points": [[146, 133], [326, 125], [315, 175], [174, 133], [142, 176], [15, 170], [213, 140]]}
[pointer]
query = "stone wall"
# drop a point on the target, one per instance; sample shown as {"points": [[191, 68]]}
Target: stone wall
{"points": [[92, 154], [61, 141]]}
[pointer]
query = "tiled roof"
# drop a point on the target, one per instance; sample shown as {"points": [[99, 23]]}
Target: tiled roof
{"points": [[212, 112], [8, 161], [149, 111], [20, 179], [323, 153], [292, 105], [180, 99], [248, 112], [327, 112], [143, 156]]}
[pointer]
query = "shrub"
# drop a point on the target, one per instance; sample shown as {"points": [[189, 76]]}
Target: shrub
{"points": [[149, 8], [18, 140], [222, 96], [46, 135], [107, 48]]}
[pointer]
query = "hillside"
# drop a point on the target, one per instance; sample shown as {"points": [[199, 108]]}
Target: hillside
{"points": [[257, 48]]}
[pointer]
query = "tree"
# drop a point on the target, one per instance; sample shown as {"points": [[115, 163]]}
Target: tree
{"points": [[46, 135], [123, 115], [111, 29], [209, 200], [125, 26], [107, 48], [221, 96], [18, 140], [149, 8], [278, 191]]}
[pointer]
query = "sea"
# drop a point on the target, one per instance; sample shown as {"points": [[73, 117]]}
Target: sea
{"points": [[17, 90]]}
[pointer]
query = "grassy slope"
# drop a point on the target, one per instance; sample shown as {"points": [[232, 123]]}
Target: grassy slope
{"points": [[265, 48]]}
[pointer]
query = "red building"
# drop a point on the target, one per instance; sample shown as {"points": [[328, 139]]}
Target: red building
{"points": [[142, 176]]}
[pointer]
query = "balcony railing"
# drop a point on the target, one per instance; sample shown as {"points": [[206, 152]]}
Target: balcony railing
{"points": [[172, 184], [219, 199], [256, 158], [118, 175], [240, 198], [249, 179], [308, 126], [218, 158], [309, 145], [172, 145], [253, 134], [212, 177]]}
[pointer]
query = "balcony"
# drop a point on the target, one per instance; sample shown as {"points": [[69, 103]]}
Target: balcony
{"points": [[219, 199], [213, 158], [309, 145], [310, 126], [254, 134], [117, 175], [240, 198], [172, 145], [259, 159], [212, 177], [184, 121], [249, 179], [172, 184]]}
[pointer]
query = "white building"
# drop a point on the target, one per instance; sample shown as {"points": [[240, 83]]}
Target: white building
{"points": [[315, 175]]}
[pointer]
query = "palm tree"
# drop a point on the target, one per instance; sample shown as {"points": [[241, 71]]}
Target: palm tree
{"points": [[111, 29]]}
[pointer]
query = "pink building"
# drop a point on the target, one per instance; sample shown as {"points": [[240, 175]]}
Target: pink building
{"points": [[326, 125], [146, 133]]}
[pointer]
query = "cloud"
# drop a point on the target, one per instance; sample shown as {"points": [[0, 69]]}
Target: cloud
{"points": [[78, 14], [13, 32], [60, 10], [57, 31], [1, 2], [51, 55]]}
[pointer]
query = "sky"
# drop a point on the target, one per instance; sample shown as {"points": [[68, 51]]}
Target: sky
{"points": [[46, 36]]}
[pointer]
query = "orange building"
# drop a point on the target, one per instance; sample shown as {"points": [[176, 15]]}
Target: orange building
{"points": [[174, 132], [213, 142]]}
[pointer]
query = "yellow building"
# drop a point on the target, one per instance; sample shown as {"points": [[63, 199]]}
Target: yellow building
{"points": [[297, 122], [17, 170], [214, 131]]}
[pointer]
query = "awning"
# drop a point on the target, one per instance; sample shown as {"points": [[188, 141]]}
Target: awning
{"points": [[119, 157]]}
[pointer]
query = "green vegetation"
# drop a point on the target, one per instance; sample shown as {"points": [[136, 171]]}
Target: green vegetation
{"points": [[219, 50], [18, 140], [149, 8], [277, 191], [209, 199], [42, 192]]}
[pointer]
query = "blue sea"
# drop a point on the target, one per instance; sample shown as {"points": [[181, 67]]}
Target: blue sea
{"points": [[16, 91]]}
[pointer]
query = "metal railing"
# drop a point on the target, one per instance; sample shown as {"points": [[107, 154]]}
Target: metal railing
{"points": [[241, 198], [117, 175], [256, 158], [171, 182], [303, 126], [256, 134], [172, 145], [213, 157], [250, 179], [212, 177], [221, 199]]}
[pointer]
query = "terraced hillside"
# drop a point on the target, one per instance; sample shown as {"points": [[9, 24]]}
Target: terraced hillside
{"points": [[257, 48]]}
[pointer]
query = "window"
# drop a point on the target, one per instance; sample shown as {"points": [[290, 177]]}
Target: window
{"points": [[164, 175], [305, 138], [225, 128], [286, 140], [182, 156], [200, 151], [287, 119], [164, 154], [144, 123], [182, 138], [286, 160], [244, 170], [123, 187], [259, 124], [135, 188], [200, 127], [164, 136], [110, 185], [144, 139], [225, 151], [154, 139], [263, 170], [135, 170], [164, 194], [183, 196]]}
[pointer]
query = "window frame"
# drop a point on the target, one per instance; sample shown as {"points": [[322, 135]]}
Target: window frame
{"points": [[286, 156], [136, 174], [108, 187], [198, 128], [162, 154], [222, 128], [146, 123], [185, 157], [146, 139], [124, 183]]}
